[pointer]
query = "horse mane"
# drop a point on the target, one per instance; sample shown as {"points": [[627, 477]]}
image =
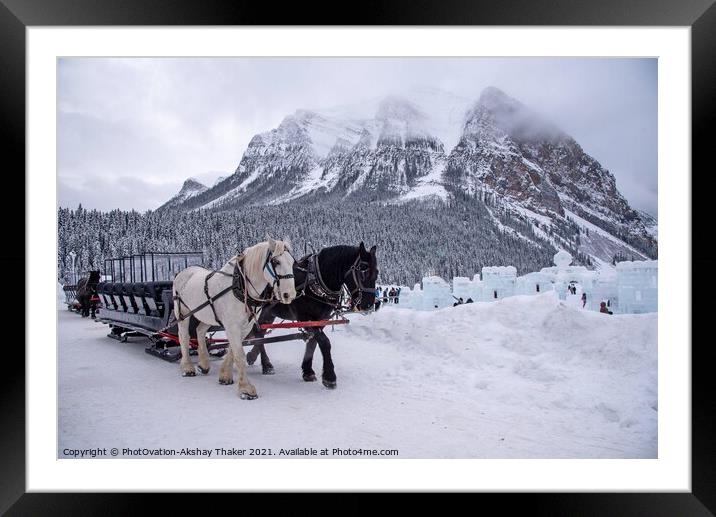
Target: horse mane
{"points": [[254, 256], [334, 262]]}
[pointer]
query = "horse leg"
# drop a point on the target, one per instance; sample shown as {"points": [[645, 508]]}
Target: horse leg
{"points": [[266, 366], [226, 372], [307, 366], [329, 375], [256, 349], [187, 369], [253, 353], [236, 332], [201, 329]]}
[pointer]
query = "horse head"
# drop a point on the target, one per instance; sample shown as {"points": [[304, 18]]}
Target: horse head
{"points": [[278, 270], [361, 281]]}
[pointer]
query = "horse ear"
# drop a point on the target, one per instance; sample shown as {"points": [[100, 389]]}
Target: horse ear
{"points": [[372, 250], [271, 242], [361, 247], [287, 242]]}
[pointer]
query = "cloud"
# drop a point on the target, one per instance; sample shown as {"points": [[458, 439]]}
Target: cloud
{"points": [[109, 193], [153, 122]]}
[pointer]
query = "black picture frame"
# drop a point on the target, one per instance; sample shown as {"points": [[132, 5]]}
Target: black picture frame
{"points": [[700, 15]]}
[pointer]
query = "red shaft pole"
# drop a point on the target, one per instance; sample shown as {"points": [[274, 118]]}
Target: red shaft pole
{"points": [[302, 324]]}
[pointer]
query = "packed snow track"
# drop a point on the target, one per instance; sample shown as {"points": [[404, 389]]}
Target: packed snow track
{"points": [[524, 377]]}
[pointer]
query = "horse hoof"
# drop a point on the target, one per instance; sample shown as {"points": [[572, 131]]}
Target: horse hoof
{"points": [[329, 384], [188, 374], [202, 370], [268, 370], [250, 359], [248, 396], [226, 382], [309, 377]]}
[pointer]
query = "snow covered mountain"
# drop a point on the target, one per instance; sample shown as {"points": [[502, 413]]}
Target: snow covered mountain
{"points": [[189, 189], [428, 144], [380, 149], [650, 223]]}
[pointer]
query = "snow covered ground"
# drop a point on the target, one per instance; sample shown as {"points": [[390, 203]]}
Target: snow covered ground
{"points": [[524, 377]]}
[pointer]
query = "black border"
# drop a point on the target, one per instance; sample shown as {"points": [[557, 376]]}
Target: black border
{"points": [[700, 15]]}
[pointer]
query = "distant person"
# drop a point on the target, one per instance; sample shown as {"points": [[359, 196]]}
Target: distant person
{"points": [[397, 295], [377, 298], [584, 300], [469, 300], [603, 308], [385, 295], [391, 295]]}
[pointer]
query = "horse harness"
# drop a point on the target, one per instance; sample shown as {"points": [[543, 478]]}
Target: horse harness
{"points": [[240, 290], [316, 288]]}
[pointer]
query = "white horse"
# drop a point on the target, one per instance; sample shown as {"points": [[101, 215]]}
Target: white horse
{"points": [[265, 264]]}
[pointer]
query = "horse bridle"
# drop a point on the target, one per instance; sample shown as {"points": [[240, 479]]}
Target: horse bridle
{"points": [[358, 265], [270, 266]]}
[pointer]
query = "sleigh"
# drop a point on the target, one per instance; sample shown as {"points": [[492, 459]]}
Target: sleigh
{"points": [[138, 302]]}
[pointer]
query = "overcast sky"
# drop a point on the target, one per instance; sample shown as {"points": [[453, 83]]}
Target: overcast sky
{"points": [[130, 131]]}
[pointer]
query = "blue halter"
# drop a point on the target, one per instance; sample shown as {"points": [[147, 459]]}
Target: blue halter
{"points": [[268, 266]]}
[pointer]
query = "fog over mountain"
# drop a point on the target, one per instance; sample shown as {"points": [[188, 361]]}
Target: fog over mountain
{"points": [[130, 131]]}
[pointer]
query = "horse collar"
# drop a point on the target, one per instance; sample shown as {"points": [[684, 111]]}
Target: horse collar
{"points": [[322, 284], [241, 292]]}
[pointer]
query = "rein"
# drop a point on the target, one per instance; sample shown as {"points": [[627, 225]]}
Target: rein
{"points": [[360, 288]]}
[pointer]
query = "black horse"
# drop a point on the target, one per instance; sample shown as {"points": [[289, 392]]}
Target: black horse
{"points": [[319, 282], [87, 293]]}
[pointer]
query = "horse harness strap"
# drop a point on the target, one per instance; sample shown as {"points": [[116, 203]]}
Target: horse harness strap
{"points": [[210, 300], [237, 286], [316, 287]]}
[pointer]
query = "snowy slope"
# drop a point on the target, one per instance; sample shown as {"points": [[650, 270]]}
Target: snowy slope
{"points": [[191, 187], [651, 223], [525, 377], [391, 146], [428, 143]]}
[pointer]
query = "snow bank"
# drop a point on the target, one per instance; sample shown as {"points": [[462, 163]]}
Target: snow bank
{"points": [[523, 377]]}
